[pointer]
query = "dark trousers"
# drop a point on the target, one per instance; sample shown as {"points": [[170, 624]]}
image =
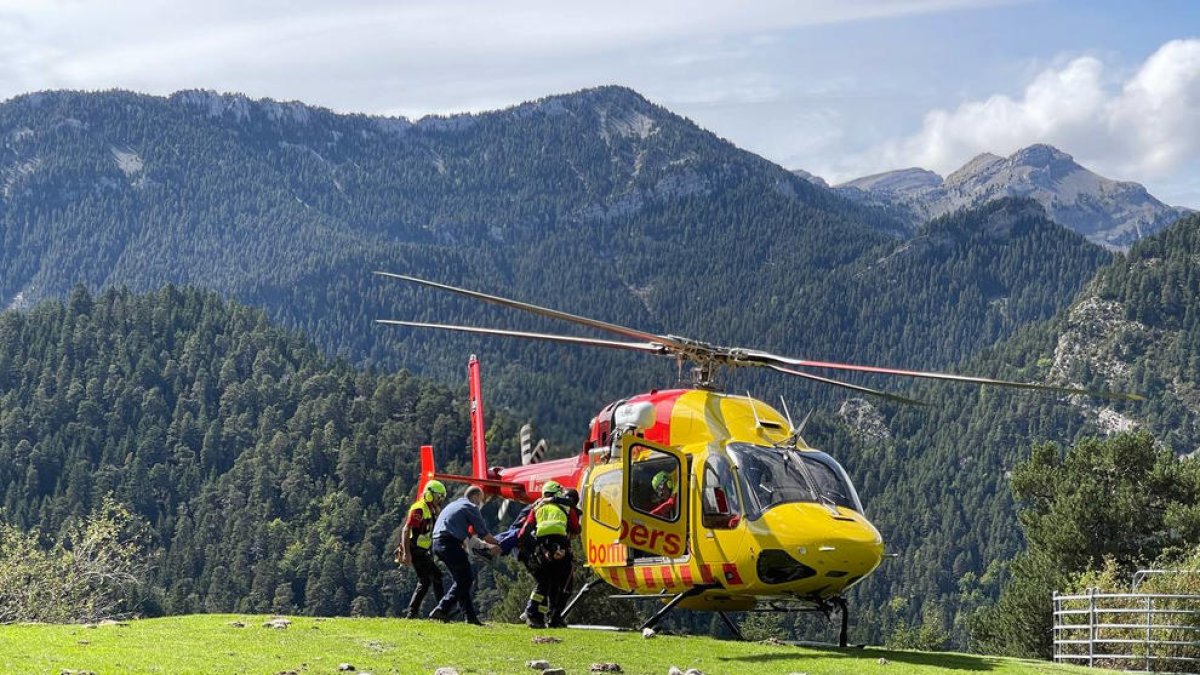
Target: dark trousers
{"points": [[428, 576], [454, 557], [551, 576]]}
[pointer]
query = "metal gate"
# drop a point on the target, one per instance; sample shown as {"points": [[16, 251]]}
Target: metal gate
{"points": [[1145, 632]]}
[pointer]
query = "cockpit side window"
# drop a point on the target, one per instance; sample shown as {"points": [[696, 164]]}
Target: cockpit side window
{"points": [[720, 506]]}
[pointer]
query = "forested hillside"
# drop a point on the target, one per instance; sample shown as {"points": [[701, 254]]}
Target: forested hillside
{"points": [[272, 478], [290, 207], [938, 480], [960, 284], [598, 202]]}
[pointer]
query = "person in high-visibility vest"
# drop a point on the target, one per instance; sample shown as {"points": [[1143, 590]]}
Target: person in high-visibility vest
{"points": [[416, 540], [553, 520]]}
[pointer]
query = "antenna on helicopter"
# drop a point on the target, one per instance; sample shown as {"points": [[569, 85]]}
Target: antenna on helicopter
{"points": [[757, 422], [787, 413], [804, 422], [760, 423], [790, 441]]}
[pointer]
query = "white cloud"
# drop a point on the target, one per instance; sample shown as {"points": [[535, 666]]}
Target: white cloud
{"points": [[1145, 126], [374, 55]]}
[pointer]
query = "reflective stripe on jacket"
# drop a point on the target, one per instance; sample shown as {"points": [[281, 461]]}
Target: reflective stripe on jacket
{"points": [[423, 539]]}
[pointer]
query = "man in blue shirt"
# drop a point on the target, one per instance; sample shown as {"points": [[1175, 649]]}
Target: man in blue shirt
{"points": [[455, 525]]}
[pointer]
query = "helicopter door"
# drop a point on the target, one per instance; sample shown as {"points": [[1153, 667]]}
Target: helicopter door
{"points": [[602, 526], [654, 516]]}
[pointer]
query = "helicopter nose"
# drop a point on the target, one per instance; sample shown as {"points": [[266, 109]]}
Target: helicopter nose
{"points": [[836, 547]]}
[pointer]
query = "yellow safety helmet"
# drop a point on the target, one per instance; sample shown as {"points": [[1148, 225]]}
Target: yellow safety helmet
{"points": [[662, 482], [551, 488], [435, 489]]}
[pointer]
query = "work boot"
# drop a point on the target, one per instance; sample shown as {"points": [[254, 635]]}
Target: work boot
{"points": [[535, 621], [413, 614], [439, 614], [474, 621]]}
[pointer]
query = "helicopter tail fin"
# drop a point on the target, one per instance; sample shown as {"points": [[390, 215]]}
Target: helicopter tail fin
{"points": [[481, 475], [479, 467], [427, 468]]}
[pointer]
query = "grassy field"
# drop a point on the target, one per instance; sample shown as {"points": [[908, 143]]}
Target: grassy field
{"points": [[212, 644]]}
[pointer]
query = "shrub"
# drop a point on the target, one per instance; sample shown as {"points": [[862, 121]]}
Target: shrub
{"points": [[90, 572]]}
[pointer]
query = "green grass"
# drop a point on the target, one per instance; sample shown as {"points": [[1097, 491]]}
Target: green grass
{"points": [[209, 644]]}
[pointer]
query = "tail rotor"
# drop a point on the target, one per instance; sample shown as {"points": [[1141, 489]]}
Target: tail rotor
{"points": [[530, 454]]}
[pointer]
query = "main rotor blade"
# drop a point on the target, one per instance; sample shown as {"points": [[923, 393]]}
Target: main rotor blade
{"points": [[630, 333], [648, 347], [773, 359], [846, 385]]}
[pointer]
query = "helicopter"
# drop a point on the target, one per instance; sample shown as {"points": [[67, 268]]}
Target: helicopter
{"points": [[753, 518]]}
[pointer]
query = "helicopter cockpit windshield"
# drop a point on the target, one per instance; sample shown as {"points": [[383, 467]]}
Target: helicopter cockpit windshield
{"points": [[773, 476]]}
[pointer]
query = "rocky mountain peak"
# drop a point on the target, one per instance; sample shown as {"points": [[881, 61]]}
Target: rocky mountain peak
{"points": [[899, 181], [810, 177], [1040, 155], [981, 163], [1110, 213]]}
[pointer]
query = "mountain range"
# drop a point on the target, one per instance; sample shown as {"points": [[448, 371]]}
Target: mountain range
{"points": [[1110, 213]]}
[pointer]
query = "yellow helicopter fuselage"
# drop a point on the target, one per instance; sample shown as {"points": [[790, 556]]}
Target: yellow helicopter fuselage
{"points": [[758, 515]]}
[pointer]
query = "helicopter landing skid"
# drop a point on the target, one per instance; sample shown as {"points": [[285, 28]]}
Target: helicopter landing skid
{"points": [[666, 609], [733, 627], [825, 607], [843, 633], [582, 592]]}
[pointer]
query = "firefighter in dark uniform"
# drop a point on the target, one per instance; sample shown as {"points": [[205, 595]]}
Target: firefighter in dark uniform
{"points": [[552, 521], [416, 540]]}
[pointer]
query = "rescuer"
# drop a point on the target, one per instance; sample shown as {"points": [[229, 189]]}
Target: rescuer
{"points": [[416, 542], [664, 496], [453, 528], [553, 520]]}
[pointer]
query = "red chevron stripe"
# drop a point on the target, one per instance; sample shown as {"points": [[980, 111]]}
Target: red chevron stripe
{"points": [[731, 573], [685, 575], [648, 576], [631, 577], [668, 579], [706, 574]]}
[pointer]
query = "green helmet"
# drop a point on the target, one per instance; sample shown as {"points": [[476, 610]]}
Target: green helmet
{"points": [[551, 488], [435, 488], [662, 480]]}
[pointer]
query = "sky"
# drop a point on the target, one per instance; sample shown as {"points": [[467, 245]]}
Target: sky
{"points": [[840, 88]]}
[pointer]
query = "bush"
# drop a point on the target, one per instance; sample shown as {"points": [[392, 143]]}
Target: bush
{"points": [[89, 573], [1174, 622]]}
